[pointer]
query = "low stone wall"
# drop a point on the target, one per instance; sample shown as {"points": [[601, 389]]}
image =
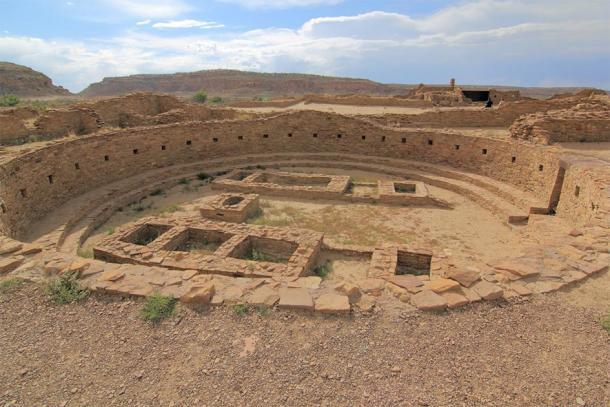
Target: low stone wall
{"points": [[12, 130], [38, 181], [585, 122], [61, 122]]}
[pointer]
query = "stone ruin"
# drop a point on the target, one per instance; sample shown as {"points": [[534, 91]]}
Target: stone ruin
{"points": [[55, 196]]}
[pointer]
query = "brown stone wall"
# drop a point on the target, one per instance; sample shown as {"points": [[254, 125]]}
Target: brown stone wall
{"points": [[585, 122], [584, 198], [120, 111], [62, 122], [12, 130], [52, 175]]}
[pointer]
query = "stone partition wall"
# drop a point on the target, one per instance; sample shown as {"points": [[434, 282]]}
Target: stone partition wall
{"points": [[38, 181]]}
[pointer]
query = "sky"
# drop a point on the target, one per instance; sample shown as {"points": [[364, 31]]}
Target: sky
{"points": [[485, 42]]}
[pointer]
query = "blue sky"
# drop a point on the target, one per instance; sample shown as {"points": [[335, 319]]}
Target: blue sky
{"points": [[512, 42]]}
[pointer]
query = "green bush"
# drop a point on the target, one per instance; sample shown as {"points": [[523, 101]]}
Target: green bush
{"points": [[9, 100], [158, 307], [322, 270], [65, 289], [216, 99], [240, 309], [9, 285], [200, 97]]}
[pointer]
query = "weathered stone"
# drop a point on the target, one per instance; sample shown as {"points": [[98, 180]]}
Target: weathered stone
{"points": [[29, 249], [471, 295], [201, 294], [295, 298], [454, 299], [575, 233], [233, 293], [188, 274], [520, 267], [112, 275], [10, 247], [312, 282], [372, 286], [173, 281], [441, 285], [465, 277], [366, 303], [264, 296], [487, 290], [519, 288], [332, 303], [9, 264], [405, 281], [428, 300], [352, 291], [217, 300]]}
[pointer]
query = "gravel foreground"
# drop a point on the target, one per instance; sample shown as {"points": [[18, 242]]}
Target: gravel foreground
{"points": [[538, 352]]}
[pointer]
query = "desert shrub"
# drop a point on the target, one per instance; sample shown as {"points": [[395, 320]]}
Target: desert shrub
{"points": [[86, 253], [240, 309], [200, 97], [216, 100], [65, 289], [156, 192], [9, 285], [158, 307], [8, 100], [203, 176], [322, 270]]}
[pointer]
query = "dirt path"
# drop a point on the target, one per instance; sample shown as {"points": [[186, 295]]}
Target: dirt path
{"points": [[544, 351]]}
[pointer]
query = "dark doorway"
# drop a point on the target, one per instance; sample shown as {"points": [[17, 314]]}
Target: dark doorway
{"points": [[476, 95]]}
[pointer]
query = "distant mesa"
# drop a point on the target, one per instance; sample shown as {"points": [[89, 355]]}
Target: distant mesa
{"points": [[23, 81]]}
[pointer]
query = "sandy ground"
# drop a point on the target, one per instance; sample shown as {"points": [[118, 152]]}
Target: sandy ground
{"points": [[545, 351], [598, 150], [352, 110], [466, 231]]}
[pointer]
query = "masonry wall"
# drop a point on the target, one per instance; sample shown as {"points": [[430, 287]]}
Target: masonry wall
{"points": [[36, 182]]}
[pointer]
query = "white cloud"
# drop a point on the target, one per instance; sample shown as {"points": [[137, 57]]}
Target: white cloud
{"points": [[512, 42], [188, 24], [253, 4], [150, 8], [144, 22]]}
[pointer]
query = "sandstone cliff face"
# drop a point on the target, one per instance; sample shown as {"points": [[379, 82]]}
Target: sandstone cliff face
{"points": [[23, 81], [237, 83]]}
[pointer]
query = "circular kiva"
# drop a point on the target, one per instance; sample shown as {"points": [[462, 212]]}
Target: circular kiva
{"points": [[222, 244]]}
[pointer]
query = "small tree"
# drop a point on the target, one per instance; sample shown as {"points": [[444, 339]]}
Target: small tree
{"points": [[9, 100], [200, 97]]}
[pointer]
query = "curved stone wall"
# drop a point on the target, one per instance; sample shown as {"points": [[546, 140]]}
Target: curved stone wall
{"points": [[36, 182]]}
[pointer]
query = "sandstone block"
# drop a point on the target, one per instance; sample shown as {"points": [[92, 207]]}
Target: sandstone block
{"points": [[352, 291], [428, 300], [405, 281], [296, 298], [487, 290], [441, 285], [464, 276], [9, 264], [520, 267], [111, 275], [264, 296], [454, 299], [372, 286], [201, 294], [332, 303]]}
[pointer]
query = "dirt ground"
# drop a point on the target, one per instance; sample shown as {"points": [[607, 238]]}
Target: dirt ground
{"points": [[352, 110], [544, 351]]}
